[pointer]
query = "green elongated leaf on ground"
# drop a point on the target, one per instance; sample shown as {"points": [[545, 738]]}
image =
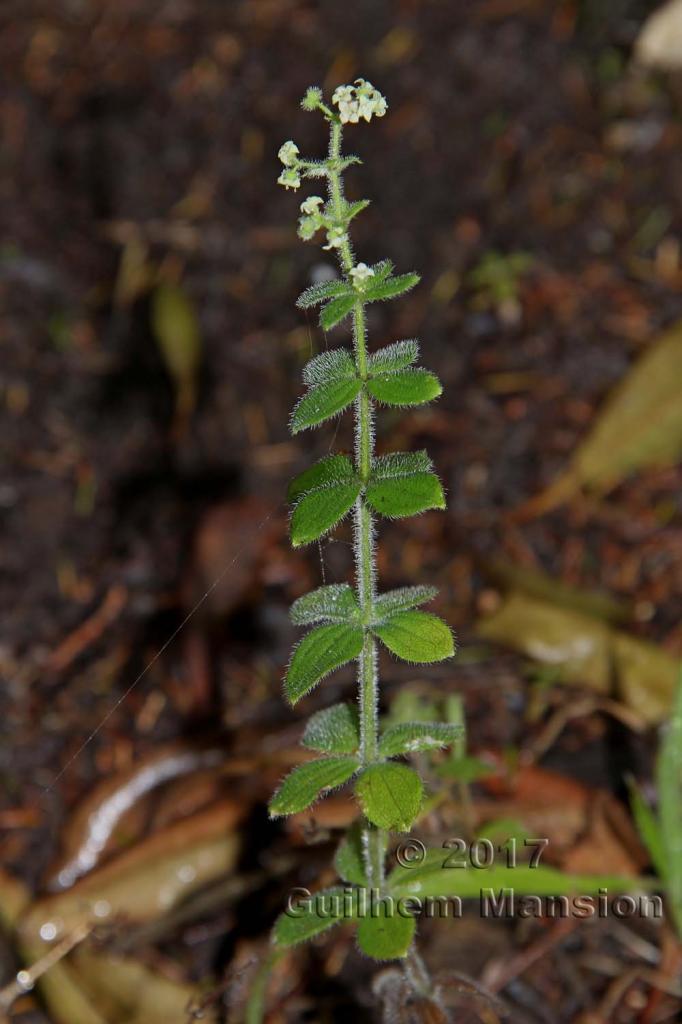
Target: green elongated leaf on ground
{"points": [[176, 329], [335, 469], [669, 781], [335, 602], [333, 730], [390, 287], [318, 293], [405, 387], [390, 795], [465, 769], [313, 915], [336, 310], [401, 600], [405, 496], [416, 637], [645, 675], [386, 936], [319, 653], [538, 585], [349, 859], [639, 426], [397, 356], [306, 783], [323, 402], [336, 364], [649, 829], [409, 737], [320, 510], [431, 879]]}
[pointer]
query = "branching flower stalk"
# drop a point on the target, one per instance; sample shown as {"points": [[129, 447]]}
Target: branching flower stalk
{"points": [[349, 622]]}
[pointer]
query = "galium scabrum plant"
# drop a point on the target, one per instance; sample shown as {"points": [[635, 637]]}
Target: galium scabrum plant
{"points": [[349, 622]]}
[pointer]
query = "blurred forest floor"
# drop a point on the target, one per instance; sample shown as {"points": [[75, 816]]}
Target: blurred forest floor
{"points": [[534, 177]]}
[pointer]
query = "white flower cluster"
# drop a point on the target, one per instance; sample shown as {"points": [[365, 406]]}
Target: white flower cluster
{"points": [[288, 154], [361, 275], [359, 100], [313, 218]]}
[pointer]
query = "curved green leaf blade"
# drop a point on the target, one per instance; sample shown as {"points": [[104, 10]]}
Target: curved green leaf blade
{"points": [[336, 311], [332, 470], [319, 653], [390, 287], [401, 600], [397, 356], [336, 364], [314, 915], [669, 781], [319, 292], [320, 510], [409, 737], [401, 464], [334, 730], [390, 795], [416, 637], [386, 936], [405, 496], [349, 859], [405, 387], [323, 402], [649, 829], [333, 603], [305, 784]]}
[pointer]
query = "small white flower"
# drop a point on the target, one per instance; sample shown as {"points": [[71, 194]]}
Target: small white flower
{"points": [[290, 178], [307, 226], [336, 236], [343, 94], [288, 153], [359, 100], [361, 274], [311, 205]]}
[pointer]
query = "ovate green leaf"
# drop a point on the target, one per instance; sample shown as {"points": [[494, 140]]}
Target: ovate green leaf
{"points": [[404, 387], [319, 292], [323, 402], [319, 653], [390, 287], [336, 364], [349, 860], [333, 730], [394, 357], [409, 737], [402, 485], [390, 795], [307, 782], [388, 935], [401, 600], [416, 637], [313, 915], [320, 510], [336, 311], [333, 603], [332, 470]]}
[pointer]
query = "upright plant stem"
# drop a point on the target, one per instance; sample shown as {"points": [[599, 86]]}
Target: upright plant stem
{"points": [[374, 839]]}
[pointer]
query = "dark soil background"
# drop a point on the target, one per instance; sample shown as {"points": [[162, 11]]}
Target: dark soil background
{"points": [[139, 143]]}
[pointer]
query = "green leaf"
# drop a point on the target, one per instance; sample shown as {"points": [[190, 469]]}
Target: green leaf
{"points": [[349, 860], [409, 737], [465, 769], [313, 915], [386, 936], [333, 603], [336, 364], [430, 878], [669, 781], [382, 270], [390, 287], [176, 329], [335, 469], [353, 209], [394, 357], [319, 292], [323, 402], [319, 653], [405, 387], [402, 484], [648, 828], [416, 637], [333, 730], [390, 795], [336, 311], [401, 600], [320, 510], [304, 785]]}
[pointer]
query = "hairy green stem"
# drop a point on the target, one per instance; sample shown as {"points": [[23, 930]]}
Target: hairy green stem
{"points": [[374, 839]]}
